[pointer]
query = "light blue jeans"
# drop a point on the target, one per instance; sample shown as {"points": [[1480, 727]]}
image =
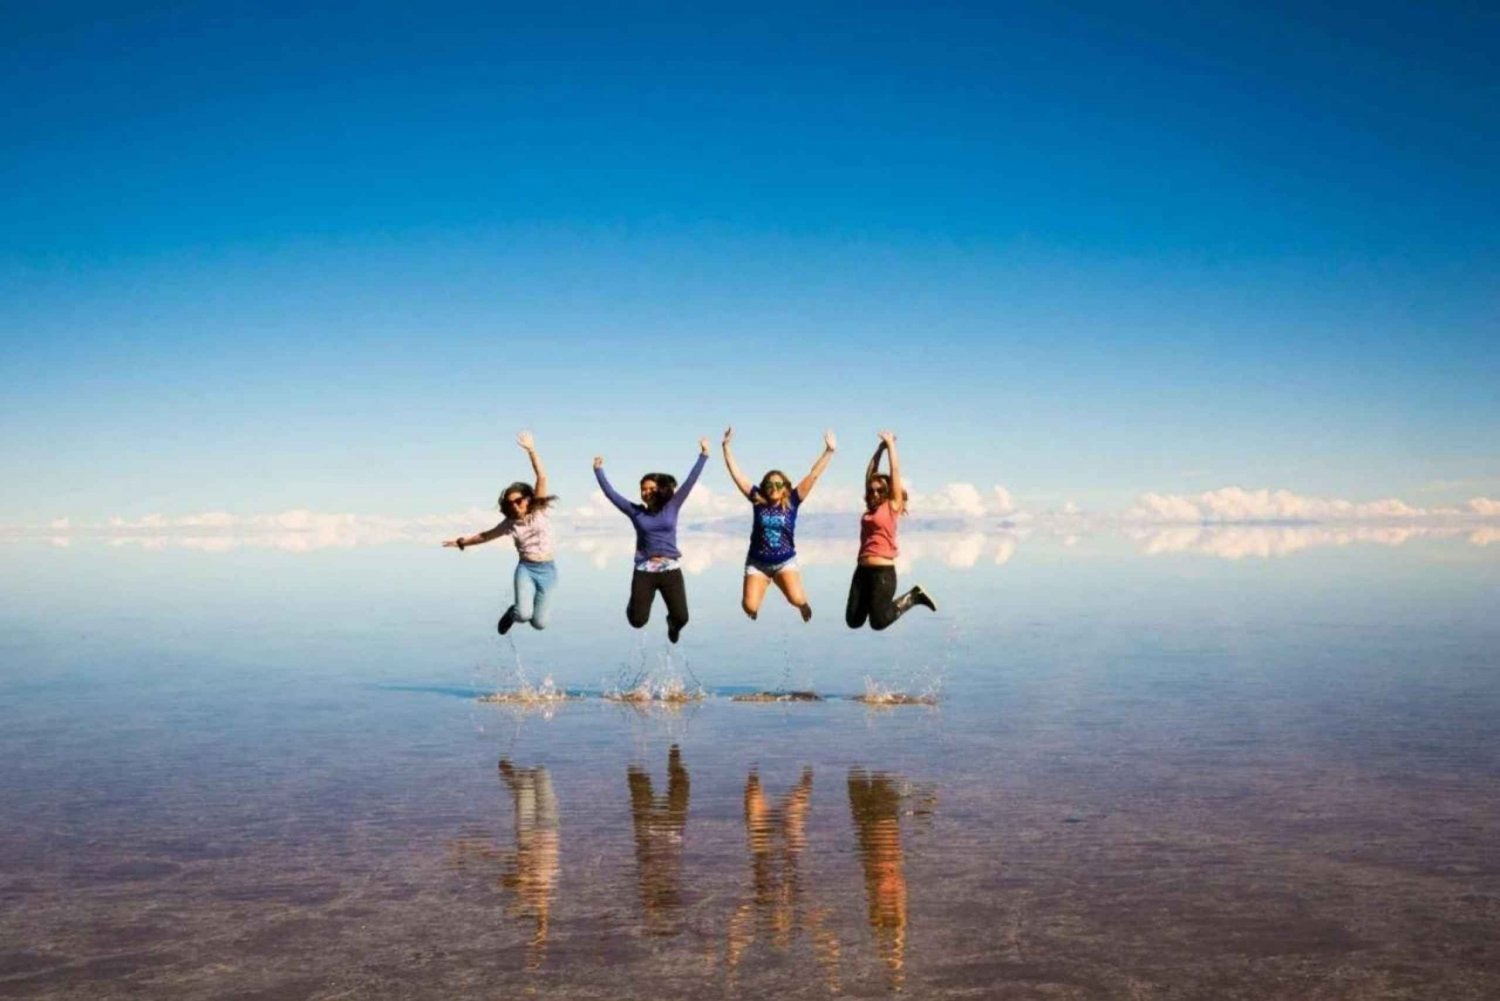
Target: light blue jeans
{"points": [[534, 584]]}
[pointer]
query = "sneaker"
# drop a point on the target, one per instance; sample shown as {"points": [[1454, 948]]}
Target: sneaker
{"points": [[673, 631], [506, 621], [921, 597], [806, 613]]}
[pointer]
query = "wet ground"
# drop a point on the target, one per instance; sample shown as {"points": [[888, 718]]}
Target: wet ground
{"points": [[1172, 780]]}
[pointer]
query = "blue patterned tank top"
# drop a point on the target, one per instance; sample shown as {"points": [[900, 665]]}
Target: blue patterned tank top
{"points": [[771, 536]]}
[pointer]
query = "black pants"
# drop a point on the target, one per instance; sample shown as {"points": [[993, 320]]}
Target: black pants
{"points": [[643, 588], [872, 595]]}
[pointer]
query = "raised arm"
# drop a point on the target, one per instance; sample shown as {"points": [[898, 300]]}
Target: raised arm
{"points": [[626, 508], [898, 491], [465, 541], [524, 439], [692, 478], [830, 445], [734, 468], [874, 464]]}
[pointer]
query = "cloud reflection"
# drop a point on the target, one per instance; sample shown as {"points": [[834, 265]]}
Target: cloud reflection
{"points": [[957, 548], [1238, 542], [957, 526]]}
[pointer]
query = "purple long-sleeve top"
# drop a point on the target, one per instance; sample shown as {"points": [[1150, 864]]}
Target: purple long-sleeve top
{"points": [[655, 534]]}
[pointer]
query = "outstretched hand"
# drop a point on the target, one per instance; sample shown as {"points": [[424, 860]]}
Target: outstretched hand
{"points": [[888, 438], [728, 434], [451, 544], [830, 440], [525, 440], [598, 462], [703, 445]]}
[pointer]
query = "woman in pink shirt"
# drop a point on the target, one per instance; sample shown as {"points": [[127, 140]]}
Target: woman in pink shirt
{"points": [[872, 592], [526, 522]]}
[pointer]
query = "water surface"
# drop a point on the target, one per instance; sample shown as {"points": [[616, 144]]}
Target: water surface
{"points": [[1153, 772]]}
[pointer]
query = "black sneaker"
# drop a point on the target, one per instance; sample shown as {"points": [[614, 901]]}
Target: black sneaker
{"points": [[921, 597], [506, 621], [673, 631]]}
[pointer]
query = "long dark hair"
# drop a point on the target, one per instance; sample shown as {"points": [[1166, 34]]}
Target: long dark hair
{"points": [[666, 486], [529, 492]]}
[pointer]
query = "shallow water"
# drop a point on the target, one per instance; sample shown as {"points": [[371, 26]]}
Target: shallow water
{"points": [[1152, 773]]}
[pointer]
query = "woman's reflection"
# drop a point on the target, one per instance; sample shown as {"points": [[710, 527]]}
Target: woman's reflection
{"points": [[875, 804], [658, 842], [776, 837], [531, 870]]}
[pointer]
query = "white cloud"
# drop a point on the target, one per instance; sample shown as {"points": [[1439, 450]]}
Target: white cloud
{"points": [[716, 523], [953, 498], [210, 519], [706, 503], [1168, 507], [1485, 507]]}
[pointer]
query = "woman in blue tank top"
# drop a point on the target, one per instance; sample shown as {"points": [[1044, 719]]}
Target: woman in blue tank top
{"points": [[773, 550]]}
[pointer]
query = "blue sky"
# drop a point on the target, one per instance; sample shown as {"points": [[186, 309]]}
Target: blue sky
{"points": [[254, 259]]}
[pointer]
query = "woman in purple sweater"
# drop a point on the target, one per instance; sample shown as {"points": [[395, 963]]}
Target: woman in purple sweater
{"points": [[656, 553]]}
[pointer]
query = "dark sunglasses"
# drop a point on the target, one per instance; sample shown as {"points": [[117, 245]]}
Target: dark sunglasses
{"points": [[776, 484], [513, 501]]}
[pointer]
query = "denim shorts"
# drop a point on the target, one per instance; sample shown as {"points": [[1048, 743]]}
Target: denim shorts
{"points": [[753, 567]]}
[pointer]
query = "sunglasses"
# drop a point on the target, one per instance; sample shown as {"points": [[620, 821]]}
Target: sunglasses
{"points": [[776, 484], [513, 501]]}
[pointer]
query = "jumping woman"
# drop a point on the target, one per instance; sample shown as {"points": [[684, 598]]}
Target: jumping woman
{"points": [[872, 593], [526, 522], [773, 550], [656, 552]]}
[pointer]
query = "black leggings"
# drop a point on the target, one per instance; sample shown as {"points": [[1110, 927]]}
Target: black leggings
{"points": [[643, 588], [872, 595]]}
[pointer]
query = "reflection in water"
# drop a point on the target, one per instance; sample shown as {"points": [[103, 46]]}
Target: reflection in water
{"points": [[959, 546], [1237, 542], [776, 837], [659, 827], [875, 804], [531, 871]]}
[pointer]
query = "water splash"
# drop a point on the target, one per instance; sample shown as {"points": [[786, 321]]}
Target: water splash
{"points": [[545, 691], [670, 689], [663, 683], [543, 697], [877, 694]]}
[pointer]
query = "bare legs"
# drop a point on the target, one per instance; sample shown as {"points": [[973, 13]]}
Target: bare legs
{"points": [[790, 583]]}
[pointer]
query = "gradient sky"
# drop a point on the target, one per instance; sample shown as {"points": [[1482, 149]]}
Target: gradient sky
{"points": [[253, 259]]}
